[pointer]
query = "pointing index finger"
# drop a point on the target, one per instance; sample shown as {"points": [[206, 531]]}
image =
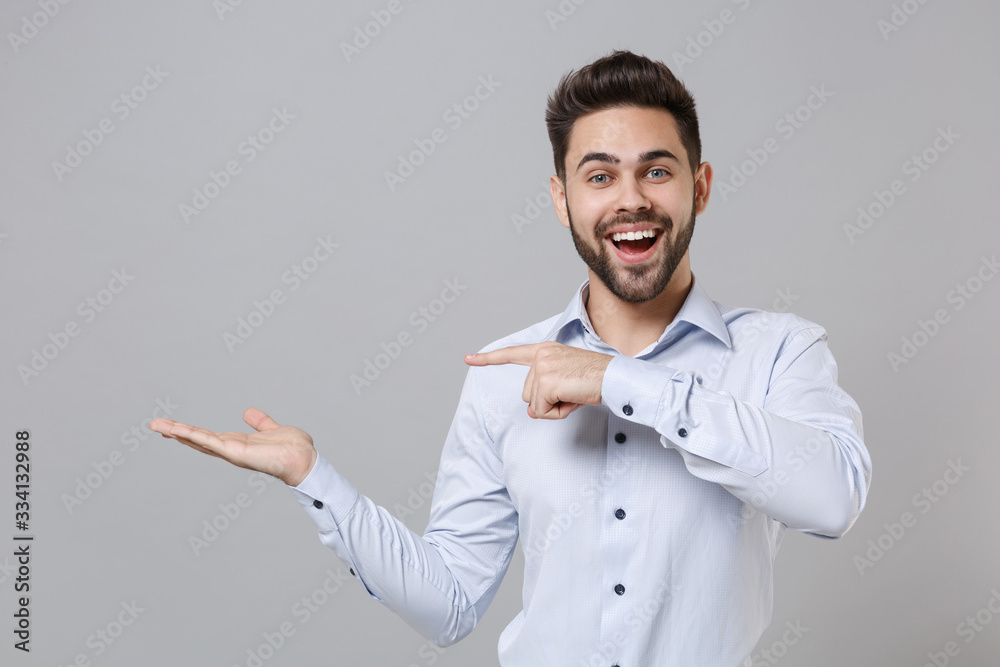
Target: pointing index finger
{"points": [[515, 354]]}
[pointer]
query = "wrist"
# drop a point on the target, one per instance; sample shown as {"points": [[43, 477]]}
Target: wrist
{"points": [[300, 472]]}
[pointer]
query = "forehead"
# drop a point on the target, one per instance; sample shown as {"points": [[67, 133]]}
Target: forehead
{"points": [[626, 132]]}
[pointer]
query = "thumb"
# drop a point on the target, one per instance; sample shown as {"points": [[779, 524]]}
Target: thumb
{"points": [[259, 420]]}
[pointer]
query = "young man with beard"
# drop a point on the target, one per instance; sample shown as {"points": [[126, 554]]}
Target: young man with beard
{"points": [[668, 440]]}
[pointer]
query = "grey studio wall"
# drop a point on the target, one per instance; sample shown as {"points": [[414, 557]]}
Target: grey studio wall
{"points": [[168, 167]]}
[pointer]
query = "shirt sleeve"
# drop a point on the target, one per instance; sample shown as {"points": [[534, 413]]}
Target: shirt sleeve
{"points": [[799, 458], [442, 582]]}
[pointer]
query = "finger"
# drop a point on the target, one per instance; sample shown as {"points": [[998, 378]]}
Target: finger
{"points": [[259, 420], [197, 436], [163, 429], [562, 410], [545, 402], [558, 410], [529, 386], [161, 426], [197, 447], [516, 354], [541, 403]]}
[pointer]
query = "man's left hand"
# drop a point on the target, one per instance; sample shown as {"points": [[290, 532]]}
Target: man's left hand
{"points": [[561, 378]]}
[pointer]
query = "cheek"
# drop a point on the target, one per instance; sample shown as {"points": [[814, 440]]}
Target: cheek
{"points": [[586, 213]]}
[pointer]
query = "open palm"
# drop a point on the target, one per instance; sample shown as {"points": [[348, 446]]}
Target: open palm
{"points": [[285, 452]]}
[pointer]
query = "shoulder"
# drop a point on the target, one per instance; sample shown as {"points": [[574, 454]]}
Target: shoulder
{"points": [[777, 329]]}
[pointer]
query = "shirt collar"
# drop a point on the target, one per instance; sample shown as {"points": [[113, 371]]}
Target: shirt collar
{"points": [[698, 309]]}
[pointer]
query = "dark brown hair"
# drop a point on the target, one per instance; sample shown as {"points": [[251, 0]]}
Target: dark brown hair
{"points": [[622, 79]]}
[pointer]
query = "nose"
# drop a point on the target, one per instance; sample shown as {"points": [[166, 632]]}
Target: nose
{"points": [[630, 196]]}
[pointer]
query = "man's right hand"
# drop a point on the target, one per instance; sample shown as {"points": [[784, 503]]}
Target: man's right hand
{"points": [[285, 452]]}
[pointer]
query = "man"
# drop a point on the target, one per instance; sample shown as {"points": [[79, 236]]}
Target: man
{"points": [[667, 443]]}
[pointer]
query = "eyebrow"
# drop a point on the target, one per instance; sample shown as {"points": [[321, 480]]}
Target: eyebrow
{"points": [[648, 156]]}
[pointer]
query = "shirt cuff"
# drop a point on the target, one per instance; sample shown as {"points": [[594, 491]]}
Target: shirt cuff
{"points": [[326, 495], [636, 390], [685, 414]]}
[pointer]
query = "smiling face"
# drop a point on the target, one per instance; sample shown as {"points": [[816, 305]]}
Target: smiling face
{"points": [[630, 199]]}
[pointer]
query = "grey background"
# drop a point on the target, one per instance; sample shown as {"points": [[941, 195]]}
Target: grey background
{"points": [[162, 336]]}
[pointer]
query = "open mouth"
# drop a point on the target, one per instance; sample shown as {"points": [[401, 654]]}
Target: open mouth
{"points": [[634, 245]]}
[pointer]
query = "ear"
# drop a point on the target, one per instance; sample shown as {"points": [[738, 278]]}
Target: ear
{"points": [[559, 200], [702, 187]]}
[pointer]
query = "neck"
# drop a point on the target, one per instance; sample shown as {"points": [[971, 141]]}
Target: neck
{"points": [[632, 327]]}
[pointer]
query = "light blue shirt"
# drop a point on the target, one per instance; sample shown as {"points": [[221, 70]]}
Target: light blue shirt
{"points": [[650, 523]]}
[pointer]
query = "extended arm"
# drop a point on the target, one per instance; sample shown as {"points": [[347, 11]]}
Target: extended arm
{"points": [[440, 583]]}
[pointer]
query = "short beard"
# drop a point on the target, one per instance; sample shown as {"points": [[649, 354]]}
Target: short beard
{"points": [[634, 284]]}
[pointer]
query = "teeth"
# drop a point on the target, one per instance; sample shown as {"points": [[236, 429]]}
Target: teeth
{"points": [[632, 236]]}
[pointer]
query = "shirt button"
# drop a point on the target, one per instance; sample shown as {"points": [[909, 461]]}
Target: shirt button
{"points": [[352, 571], [620, 589], [620, 513], [683, 432], [619, 438], [318, 504], [627, 410]]}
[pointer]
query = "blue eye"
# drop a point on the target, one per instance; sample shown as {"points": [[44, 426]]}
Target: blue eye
{"points": [[662, 171], [598, 176]]}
